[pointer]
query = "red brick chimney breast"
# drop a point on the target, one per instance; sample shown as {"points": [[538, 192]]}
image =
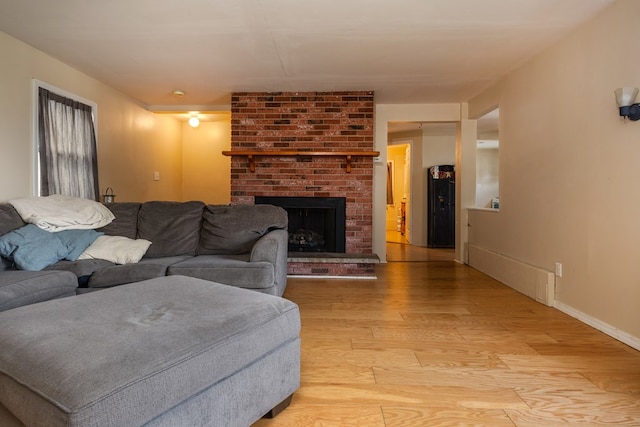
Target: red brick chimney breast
{"points": [[307, 121]]}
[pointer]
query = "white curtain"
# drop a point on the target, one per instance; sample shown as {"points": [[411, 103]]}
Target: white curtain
{"points": [[67, 147]]}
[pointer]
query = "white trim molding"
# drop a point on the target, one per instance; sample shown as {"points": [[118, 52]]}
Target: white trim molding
{"points": [[539, 284], [604, 327], [531, 280]]}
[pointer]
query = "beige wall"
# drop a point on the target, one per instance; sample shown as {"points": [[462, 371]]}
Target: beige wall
{"points": [[487, 175], [206, 173], [132, 142], [569, 171]]}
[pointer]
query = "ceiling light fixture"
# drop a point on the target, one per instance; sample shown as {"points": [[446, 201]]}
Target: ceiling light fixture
{"points": [[178, 92], [625, 97], [194, 121]]}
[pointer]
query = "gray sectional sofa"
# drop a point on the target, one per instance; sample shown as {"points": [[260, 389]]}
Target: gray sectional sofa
{"points": [[165, 349], [243, 246]]}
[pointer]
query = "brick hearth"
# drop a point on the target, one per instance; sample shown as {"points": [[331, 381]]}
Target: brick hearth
{"points": [[309, 121]]}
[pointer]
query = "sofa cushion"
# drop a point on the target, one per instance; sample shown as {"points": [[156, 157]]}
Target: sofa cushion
{"points": [[143, 349], [117, 249], [126, 220], [172, 227], [166, 261], [235, 270], [122, 274], [9, 220], [234, 229], [113, 275], [76, 241], [32, 248], [18, 288], [80, 268], [58, 212]]}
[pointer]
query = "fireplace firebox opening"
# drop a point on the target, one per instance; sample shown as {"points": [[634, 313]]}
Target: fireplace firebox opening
{"points": [[316, 224]]}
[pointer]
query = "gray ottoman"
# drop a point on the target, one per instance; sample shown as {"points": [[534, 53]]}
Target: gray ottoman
{"points": [[172, 351]]}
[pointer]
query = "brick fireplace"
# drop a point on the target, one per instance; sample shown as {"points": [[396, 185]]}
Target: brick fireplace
{"points": [[311, 122], [316, 224]]}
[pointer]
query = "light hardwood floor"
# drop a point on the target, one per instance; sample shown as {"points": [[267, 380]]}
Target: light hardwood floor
{"points": [[409, 253], [441, 344]]}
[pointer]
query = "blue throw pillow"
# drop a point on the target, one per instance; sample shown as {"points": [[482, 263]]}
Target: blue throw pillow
{"points": [[76, 241], [32, 248]]}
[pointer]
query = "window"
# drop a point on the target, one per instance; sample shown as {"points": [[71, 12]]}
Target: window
{"points": [[66, 145]]}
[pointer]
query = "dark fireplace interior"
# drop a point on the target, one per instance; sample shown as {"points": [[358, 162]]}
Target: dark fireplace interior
{"points": [[316, 224]]}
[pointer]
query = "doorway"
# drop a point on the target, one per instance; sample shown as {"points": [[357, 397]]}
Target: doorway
{"points": [[398, 216], [419, 145]]}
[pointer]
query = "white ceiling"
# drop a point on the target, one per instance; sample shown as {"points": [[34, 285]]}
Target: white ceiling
{"points": [[407, 51]]}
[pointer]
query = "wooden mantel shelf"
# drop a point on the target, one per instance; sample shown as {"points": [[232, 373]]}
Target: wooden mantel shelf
{"points": [[251, 154]]}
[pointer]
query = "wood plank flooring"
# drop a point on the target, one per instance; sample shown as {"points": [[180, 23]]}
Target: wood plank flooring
{"points": [[409, 253], [441, 344]]}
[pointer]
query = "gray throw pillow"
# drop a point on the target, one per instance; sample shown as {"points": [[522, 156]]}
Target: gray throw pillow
{"points": [[235, 229]]}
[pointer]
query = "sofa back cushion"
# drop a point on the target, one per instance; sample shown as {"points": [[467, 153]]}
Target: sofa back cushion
{"points": [[235, 229], [172, 227], [126, 222], [9, 220]]}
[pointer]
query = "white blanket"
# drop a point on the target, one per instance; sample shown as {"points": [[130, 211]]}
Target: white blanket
{"points": [[57, 212]]}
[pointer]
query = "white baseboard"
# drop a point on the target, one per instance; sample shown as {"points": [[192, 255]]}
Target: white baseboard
{"points": [[533, 281], [538, 284], [616, 333]]}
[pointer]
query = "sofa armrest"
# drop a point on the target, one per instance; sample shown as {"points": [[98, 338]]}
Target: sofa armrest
{"points": [[272, 247], [19, 287]]}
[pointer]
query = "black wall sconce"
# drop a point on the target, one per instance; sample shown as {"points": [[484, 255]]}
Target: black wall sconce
{"points": [[625, 96]]}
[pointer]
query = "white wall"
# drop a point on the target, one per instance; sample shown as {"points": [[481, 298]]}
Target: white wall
{"points": [[487, 175], [569, 171], [132, 142]]}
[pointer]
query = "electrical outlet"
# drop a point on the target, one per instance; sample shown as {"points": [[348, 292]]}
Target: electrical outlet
{"points": [[558, 269], [156, 176]]}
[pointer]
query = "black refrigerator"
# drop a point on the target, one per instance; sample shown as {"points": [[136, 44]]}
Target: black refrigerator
{"points": [[441, 204]]}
